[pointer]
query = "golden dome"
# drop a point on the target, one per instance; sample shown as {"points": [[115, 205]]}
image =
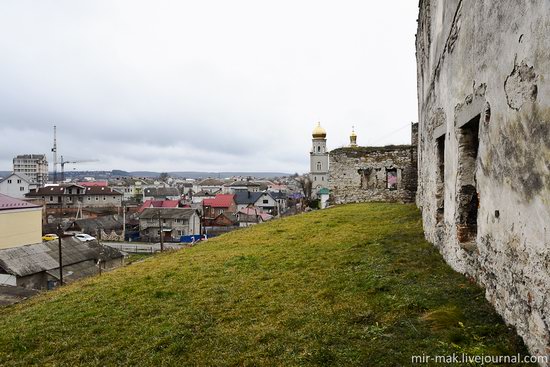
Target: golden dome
{"points": [[319, 132], [353, 138]]}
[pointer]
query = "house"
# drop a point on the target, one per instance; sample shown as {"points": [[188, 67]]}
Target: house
{"points": [[175, 223], [35, 166], [17, 185], [158, 204], [210, 185], [262, 200], [282, 201], [74, 196], [267, 203], [221, 203], [20, 222], [107, 227], [233, 187], [323, 195], [161, 193], [251, 215], [200, 196], [226, 219], [37, 266], [132, 191]]}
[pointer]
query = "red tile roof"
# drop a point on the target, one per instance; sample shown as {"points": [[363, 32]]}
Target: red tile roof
{"points": [[158, 204], [220, 201], [9, 203]]}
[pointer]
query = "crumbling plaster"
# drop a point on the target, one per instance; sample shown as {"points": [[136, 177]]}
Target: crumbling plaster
{"points": [[490, 59]]}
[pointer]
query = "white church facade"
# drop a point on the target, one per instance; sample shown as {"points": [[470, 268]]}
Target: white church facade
{"points": [[319, 168]]}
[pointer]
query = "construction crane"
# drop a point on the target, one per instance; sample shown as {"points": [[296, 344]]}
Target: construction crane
{"points": [[54, 150], [64, 162]]}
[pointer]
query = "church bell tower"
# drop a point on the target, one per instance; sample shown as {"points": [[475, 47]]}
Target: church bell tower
{"points": [[319, 159]]}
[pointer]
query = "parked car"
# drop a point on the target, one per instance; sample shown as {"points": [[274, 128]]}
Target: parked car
{"points": [[49, 237], [84, 237]]}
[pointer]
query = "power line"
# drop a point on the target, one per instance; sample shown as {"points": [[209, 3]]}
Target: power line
{"points": [[389, 134]]}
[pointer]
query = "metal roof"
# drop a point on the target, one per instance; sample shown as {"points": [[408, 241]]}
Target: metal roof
{"points": [[32, 259], [167, 213], [9, 203]]}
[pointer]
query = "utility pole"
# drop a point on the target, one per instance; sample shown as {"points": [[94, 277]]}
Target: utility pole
{"points": [[59, 234], [123, 222], [161, 229]]}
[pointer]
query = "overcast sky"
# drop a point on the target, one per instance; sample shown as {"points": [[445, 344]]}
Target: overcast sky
{"points": [[203, 85]]}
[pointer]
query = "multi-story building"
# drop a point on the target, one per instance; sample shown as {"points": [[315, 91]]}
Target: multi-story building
{"points": [[74, 196], [35, 166]]}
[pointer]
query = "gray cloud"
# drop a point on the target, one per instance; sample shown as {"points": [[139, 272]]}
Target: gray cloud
{"points": [[212, 85]]}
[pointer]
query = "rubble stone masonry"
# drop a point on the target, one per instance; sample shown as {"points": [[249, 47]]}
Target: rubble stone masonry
{"points": [[483, 71], [366, 174]]}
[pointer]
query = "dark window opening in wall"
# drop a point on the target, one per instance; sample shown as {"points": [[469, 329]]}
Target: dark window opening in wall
{"points": [[440, 183], [318, 148], [391, 178], [468, 201]]}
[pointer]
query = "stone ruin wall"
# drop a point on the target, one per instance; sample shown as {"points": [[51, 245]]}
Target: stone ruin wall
{"points": [[484, 150], [359, 174]]}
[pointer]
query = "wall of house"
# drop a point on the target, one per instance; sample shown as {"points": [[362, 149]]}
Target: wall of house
{"points": [[33, 281], [94, 201], [268, 205], [15, 187], [363, 174], [20, 227], [484, 147]]}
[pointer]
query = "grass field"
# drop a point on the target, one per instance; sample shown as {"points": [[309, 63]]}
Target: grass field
{"points": [[351, 285]]}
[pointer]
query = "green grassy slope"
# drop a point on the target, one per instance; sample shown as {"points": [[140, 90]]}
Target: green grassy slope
{"points": [[352, 285]]}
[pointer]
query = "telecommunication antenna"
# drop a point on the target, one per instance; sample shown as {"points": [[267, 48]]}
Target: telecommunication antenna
{"points": [[54, 150]]}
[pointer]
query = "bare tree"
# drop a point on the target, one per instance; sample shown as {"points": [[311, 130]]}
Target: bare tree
{"points": [[163, 176], [306, 186]]}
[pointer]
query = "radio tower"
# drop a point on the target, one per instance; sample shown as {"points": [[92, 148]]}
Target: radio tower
{"points": [[54, 150]]}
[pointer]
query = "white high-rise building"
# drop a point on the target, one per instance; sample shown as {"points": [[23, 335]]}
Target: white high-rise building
{"points": [[35, 166], [319, 159]]}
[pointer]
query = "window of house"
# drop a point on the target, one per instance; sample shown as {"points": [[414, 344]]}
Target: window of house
{"points": [[319, 166], [18, 181], [391, 179], [9, 181], [89, 198], [21, 188], [51, 198], [265, 201], [318, 148], [96, 198], [322, 178]]}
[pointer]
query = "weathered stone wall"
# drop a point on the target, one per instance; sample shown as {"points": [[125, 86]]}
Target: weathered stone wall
{"points": [[484, 150], [360, 174]]}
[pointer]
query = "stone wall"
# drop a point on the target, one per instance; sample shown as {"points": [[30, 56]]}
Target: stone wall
{"points": [[484, 147], [362, 174]]}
